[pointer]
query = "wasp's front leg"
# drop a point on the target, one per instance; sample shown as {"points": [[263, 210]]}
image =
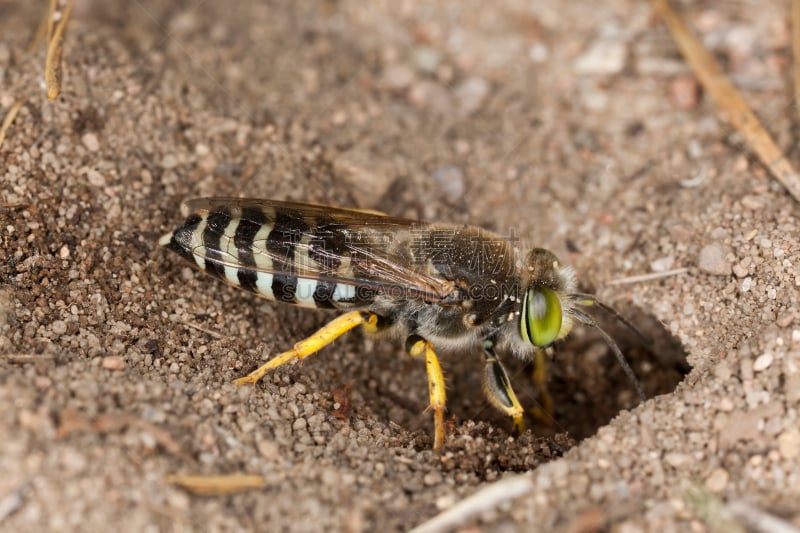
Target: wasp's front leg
{"points": [[498, 388]]}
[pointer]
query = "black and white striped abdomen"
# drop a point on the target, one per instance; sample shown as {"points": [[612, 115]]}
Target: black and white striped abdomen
{"points": [[275, 253]]}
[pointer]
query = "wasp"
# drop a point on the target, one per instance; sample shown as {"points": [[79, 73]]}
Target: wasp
{"points": [[447, 287]]}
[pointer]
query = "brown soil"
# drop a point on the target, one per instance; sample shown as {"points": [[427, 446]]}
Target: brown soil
{"points": [[576, 124]]}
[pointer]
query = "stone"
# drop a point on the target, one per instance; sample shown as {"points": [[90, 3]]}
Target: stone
{"points": [[712, 260]]}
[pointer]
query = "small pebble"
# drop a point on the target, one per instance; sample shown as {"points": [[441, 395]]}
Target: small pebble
{"points": [[432, 478], [772, 293], [712, 260], [747, 284], [695, 151], [148, 441], [450, 181], [471, 93], [398, 76], [752, 202], [113, 362], [445, 502], [154, 415], [684, 92], [762, 362], [676, 459], [427, 58], [604, 57], [746, 369], [538, 53], [90, 141], [59, 327], [726, 404], [429, 94], [268, 449], [95, 178], [594, 100], [73, 462], [663, 264], [741, 269], [679, 233], [792, 388], [789, 443], [299, 425], [717, 480], [723, 371], [169, 161]]}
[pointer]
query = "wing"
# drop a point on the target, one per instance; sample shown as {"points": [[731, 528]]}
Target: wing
{"points": [[362, 249]]}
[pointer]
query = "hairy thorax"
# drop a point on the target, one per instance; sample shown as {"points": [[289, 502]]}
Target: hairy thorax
{"points": [[485, 281]]}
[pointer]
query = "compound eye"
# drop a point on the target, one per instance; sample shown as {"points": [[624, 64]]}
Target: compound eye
{"points": [[540, 323]]}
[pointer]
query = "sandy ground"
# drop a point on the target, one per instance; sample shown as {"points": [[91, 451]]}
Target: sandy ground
{"points": [[573, 124]]}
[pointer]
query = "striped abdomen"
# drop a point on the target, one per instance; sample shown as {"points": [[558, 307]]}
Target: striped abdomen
{"points": [[277, 253]]}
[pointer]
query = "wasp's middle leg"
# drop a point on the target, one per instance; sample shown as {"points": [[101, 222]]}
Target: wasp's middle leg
{"points": [[416, 346]]}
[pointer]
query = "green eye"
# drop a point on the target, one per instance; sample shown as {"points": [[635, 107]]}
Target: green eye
{"points": [[540, 323]]}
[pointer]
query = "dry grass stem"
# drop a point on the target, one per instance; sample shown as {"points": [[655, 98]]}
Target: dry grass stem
{"points": [[648, 277], [472, 506], [9, 118], [796, 50], [731, 102], [203, 329], [53, 72], [218, 485]]}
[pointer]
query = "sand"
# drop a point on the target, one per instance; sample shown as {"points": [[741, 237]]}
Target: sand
{"points": [[583, 134]]}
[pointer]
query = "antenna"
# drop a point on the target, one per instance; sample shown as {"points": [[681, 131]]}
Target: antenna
{"points": [[589, 321]]}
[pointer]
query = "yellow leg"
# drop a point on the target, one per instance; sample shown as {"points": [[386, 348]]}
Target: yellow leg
{"points": [[498, 390], [326, 335], [417, 346], [544, 411]]}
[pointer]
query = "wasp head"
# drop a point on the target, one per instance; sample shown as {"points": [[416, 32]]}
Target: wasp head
{"points": [[551, 305], [545, 314]]}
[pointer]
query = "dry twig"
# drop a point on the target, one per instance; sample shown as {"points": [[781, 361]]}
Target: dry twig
{"points": [[648, 277], [761, 521], [11, 503], [731, 102], [27, 357], [9, 118], [203, 329], [485, 499], [796, 49], [55, 47], [217, 485]]}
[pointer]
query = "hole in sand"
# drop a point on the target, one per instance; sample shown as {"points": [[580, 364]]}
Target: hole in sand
{"points": [[587, 384]]}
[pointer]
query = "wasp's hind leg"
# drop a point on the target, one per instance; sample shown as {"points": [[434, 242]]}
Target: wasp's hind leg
{"points": [[326, 335], [417, 346], [498, 389]]}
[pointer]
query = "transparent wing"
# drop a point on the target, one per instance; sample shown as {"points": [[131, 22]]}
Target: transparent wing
{"points": [[347, 246]]}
